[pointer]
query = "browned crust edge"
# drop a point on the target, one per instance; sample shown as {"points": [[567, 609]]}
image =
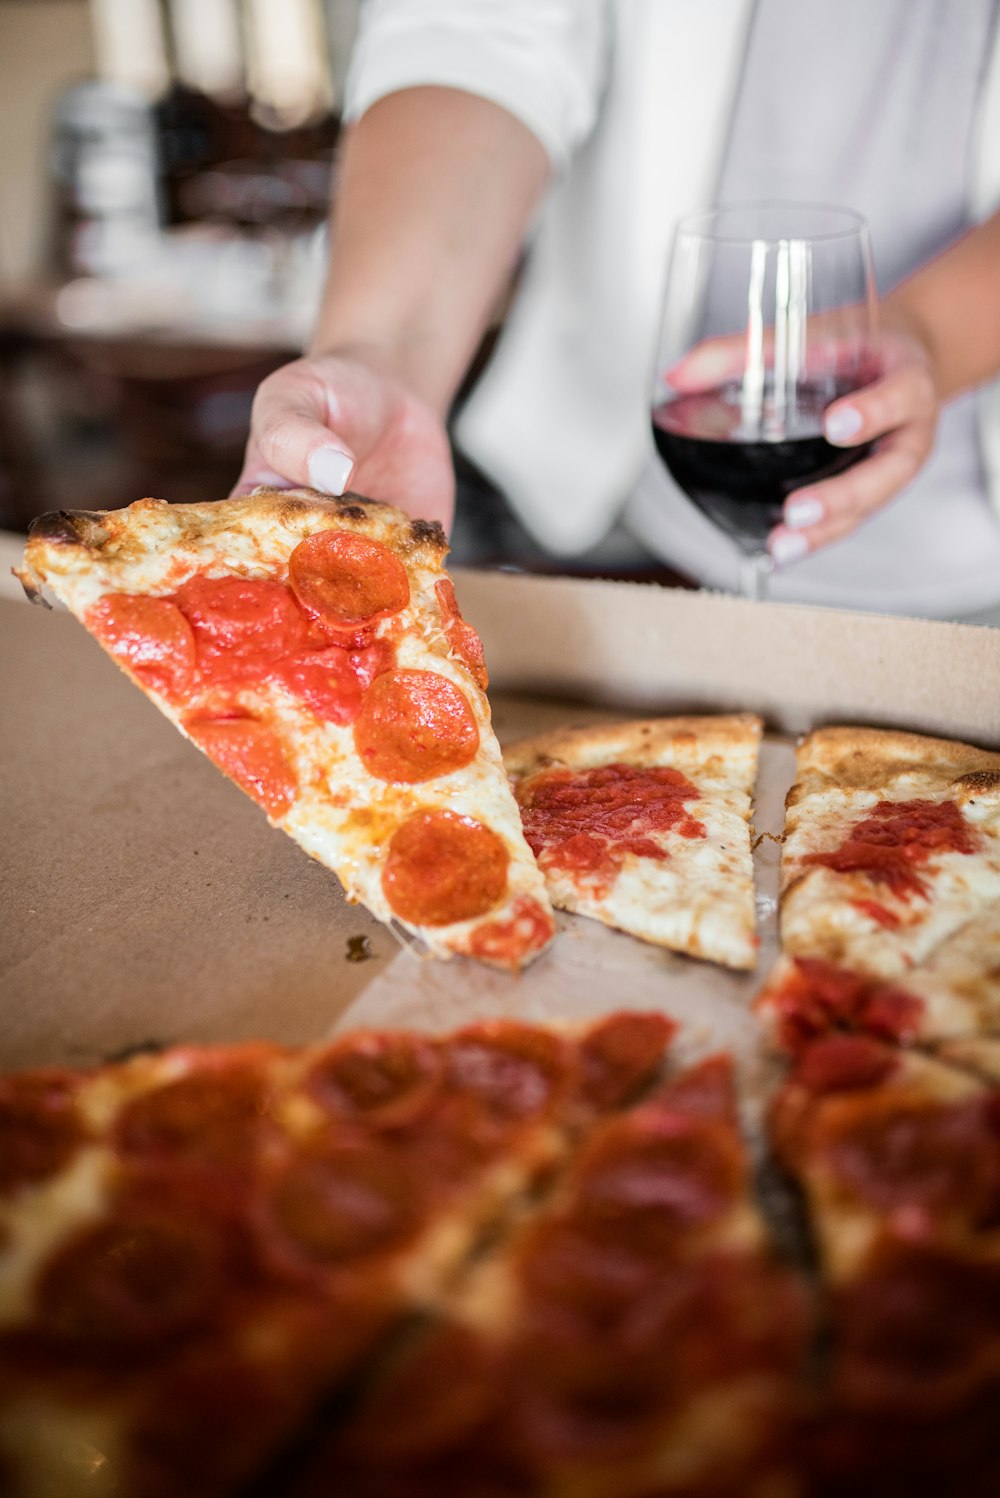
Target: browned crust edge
{"points": [[94, 530], [868, 758], [639, 739]]}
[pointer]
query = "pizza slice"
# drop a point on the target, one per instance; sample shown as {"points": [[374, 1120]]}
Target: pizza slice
{"points": [[892, 844], [314, 650], [898, 1159], [633, 1336], [199, 1248], [645, 826], [954, 993]]}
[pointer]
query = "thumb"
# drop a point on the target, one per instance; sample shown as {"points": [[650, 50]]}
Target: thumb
{"points": [[304, 451]]}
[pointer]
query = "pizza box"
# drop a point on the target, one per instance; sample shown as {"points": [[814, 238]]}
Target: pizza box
{"points": [[146, 901]]}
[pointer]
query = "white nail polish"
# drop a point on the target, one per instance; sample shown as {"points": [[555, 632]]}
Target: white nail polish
{"points": [[329, 470], [842, 425], [787, 547], [802, 512]]}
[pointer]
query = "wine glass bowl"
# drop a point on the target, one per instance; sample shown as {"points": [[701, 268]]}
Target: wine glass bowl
{"points": [[768, 317]]}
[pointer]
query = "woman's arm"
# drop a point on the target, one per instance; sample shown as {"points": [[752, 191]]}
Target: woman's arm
{"points": [[436, 190]]}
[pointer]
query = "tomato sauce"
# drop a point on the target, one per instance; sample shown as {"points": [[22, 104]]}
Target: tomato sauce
{"points": [[585, 822], [896, 840], [816, 997]]}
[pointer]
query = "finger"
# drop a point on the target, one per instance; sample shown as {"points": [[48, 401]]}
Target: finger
{"points": [[907, 395], [707, 365], [865, 487], [827, 512], [301, 449]]}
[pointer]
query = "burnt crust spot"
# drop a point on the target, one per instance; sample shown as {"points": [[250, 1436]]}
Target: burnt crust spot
{"points": [[428, 530], [31, 586], [978, 781], [352, 512], [70, 528]]}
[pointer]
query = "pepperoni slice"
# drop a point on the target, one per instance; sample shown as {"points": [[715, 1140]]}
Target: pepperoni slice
{"points": [[622, 1054], [512, 941], [431, 1400], [347, 582], [918, 1333], [241, 624], [589, 1264], [129, 1282], [415, 725], [40, 1129], [461, 636], [703, 1091], [897, 1152], [205, 1424], [343, 1202], [685, 1172], [842, 1063], [817, 996], [598, 1411], [514, 1071], [215, 1117], [250, 753], [383, 1080], [149, 637], [442, 867]]}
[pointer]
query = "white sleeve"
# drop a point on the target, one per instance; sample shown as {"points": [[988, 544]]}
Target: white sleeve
{"points": [[545, 61]]}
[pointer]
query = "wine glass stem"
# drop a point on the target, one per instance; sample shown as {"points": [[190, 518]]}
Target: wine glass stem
{"points": [[755, 569]]}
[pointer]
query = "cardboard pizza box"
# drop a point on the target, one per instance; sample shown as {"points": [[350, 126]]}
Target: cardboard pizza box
{"points": [[143, 899]]}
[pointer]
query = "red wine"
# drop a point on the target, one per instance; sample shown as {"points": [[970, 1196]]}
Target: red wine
{"points": [[740, 474]]}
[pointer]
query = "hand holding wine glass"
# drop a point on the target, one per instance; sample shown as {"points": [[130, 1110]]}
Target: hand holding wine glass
{"points": [[769, 318]]}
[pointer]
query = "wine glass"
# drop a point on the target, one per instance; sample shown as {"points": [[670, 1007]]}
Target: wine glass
{"points": [[769, 315]]}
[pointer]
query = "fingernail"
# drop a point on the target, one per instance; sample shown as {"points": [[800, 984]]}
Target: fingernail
{"points": [[329, 470], [843, 424], [803, 511], [786, 547]]}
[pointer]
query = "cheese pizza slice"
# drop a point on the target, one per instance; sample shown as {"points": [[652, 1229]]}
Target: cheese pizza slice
{"points": [[955, 993], [645, 826], [892, 844], [314, 650]]}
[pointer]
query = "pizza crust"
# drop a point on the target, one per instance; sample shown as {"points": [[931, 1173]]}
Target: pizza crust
{"points": [[868, 759]]}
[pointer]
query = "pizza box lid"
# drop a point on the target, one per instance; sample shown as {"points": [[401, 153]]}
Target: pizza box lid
{"points": [[146, 900]]}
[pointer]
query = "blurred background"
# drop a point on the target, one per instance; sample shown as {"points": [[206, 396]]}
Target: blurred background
{"points": [[165, 173]]}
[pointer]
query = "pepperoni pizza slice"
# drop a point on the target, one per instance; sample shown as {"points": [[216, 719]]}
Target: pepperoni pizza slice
{"points": [[314, 650], [633, 1336], [201, 1248], [645, 826], [898, 1158]]}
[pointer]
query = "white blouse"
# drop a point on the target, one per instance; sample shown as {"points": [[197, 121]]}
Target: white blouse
{"points": [[633, 101]]}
